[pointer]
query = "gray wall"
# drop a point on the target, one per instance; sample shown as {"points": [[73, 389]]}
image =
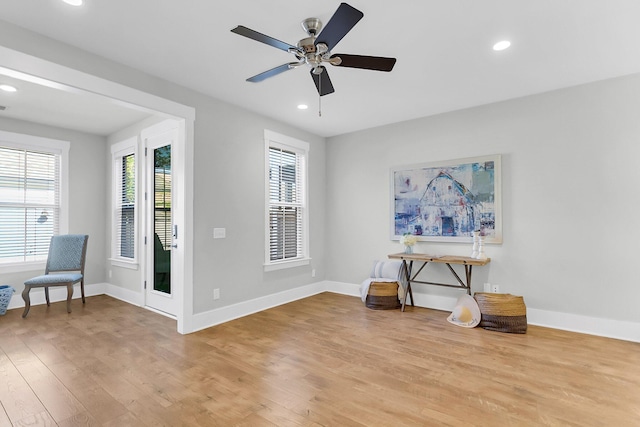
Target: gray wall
{"points": [[229, 180], [569, 190], [229, 192], [570, 195], [87, 202]]}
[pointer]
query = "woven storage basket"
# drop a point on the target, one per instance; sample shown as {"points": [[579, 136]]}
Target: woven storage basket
{"points": [[6, 292], [502, 312], [383, 296]]}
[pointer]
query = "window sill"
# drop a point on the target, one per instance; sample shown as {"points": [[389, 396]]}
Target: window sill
{"points": [[280, 265], [23, 267], [131, 265]]}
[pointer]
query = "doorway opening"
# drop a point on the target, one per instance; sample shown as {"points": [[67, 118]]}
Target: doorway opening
{"points": [[32, 69]]}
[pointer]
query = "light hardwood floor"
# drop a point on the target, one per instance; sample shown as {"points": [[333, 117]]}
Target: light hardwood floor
{"points": [[325, 360]]}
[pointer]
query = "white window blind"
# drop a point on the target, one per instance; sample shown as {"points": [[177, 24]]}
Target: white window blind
{"points": [[124, 203], [286, 195], [286, 173], [30, 203], [125, 207]]}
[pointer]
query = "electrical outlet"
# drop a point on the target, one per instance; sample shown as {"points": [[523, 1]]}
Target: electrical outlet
{"points": [[495, 289], [216, 293], [313, 272], [109, 274]]}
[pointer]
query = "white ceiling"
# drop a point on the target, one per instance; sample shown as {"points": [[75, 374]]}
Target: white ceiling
{"points": [[445, 61], [80, 111]]}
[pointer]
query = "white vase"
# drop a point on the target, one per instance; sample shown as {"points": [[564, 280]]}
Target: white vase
{"points": [[481, 254], [476, 244]]}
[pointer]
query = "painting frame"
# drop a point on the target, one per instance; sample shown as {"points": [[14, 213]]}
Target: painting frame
{"points": [[445, 201]]}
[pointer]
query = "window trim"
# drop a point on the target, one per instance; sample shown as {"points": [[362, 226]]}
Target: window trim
{"points": [[276, 140], [21, 141], [118, 151]]}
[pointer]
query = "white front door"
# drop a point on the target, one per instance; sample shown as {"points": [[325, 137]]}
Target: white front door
{"points": [[160, 290]]}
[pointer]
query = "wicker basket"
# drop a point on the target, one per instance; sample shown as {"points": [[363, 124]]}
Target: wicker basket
{"points": [[6, 292], [383, 296], [502, 312]]}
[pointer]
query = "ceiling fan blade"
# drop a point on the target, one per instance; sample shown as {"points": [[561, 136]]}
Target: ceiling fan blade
{"points": [[378, 63], [323, 82], [248, 32], [269, 73], [345, 18]]}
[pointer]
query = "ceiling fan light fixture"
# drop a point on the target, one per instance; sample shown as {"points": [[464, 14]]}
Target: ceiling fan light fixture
{"points": [[302, 106], [501, 45], [322, 48]]}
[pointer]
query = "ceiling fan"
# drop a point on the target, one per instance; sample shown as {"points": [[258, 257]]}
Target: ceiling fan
{"points": [[315, 50]]}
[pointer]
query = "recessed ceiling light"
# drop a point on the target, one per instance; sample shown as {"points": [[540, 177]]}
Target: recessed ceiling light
{"points": [[8, 88], [504, 44], [74, 2], [303, 107]]}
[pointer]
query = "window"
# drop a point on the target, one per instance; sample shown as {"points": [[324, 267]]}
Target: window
{"points": [[124, 202], [33, 187], [286, 207]]}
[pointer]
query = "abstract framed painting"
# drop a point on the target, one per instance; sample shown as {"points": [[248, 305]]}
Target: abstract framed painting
{"points": [[447, 201]]}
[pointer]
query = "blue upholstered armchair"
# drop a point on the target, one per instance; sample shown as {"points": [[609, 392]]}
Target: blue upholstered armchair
{"points": [[65, 267]]}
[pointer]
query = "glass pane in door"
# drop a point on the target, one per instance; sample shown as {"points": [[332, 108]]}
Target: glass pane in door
{"points": [[162, 219]]}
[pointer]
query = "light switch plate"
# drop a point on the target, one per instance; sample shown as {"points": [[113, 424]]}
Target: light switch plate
{"points": [[219, 233]]}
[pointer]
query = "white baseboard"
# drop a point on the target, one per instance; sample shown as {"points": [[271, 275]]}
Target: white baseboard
{"points": [[224, 314], [342, 288], [618, 329], [126, 295], [56, 294], [436, 302]]}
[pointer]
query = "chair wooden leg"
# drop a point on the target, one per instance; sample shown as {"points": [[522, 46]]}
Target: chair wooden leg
{"points": [[46, 294], [27, 300], [69, 295], [82, 289]]}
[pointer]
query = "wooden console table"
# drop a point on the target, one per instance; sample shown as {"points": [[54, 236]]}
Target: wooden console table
{"points": [[407, 269]]}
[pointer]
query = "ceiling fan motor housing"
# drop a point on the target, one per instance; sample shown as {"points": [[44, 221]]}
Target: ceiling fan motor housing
{"points": [[308, 45], [311, 26], [311, 53]]}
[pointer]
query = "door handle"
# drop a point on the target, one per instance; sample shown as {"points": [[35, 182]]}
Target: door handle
{"points": [[175, 235]]}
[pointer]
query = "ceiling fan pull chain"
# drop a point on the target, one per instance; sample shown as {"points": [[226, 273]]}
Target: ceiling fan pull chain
{"points": [[319, 96]]}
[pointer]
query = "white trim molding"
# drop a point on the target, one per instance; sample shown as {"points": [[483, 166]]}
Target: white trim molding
{"points": [[120, 150], [57, 147], [56, 294], [225, 314], [126, 295], [618, 329], [274, 140], [609, 328]]}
